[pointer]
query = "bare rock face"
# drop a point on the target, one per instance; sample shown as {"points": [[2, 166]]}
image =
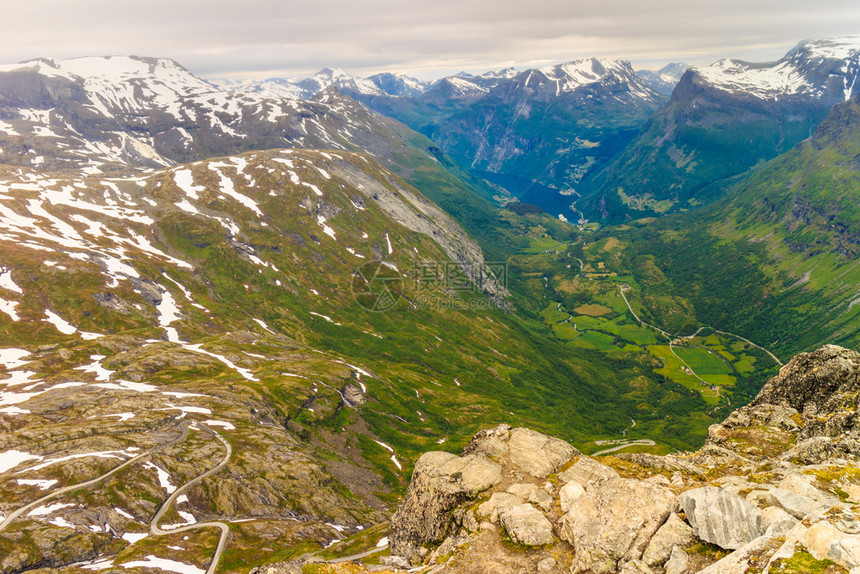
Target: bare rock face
{"points": [[614, 520], [722, 518], [678, 563], [777, 520], [569, 494], [526, 525], [751, 557], [440, 482], [498, 502], [538, 454], [585, 471], [353, 396], [674, 533], [817, 385], [795, 504]]}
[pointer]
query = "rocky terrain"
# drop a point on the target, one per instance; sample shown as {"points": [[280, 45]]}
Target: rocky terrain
{"points": [[776, 488]]}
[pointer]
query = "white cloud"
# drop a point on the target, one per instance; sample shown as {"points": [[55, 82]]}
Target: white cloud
{"points": [[430, 39]]}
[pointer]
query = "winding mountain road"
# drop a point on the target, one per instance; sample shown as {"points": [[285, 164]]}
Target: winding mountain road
{"points": [[638, 442], [165, 506], [24, 509]]}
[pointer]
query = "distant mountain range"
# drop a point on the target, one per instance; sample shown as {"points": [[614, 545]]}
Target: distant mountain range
{"points": [[720, 121], [306, 88], [399, 85], [611, 139], [534, 134]]}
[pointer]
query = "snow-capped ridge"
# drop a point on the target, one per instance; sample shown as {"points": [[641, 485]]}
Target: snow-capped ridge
{"points": [[825, 68], [576, 73], [838, 48]]}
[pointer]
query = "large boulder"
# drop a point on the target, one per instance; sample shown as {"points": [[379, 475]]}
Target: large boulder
{"points": [[526, 525], [722, 518], [614, 521], [440, 482], [836, 537], [535, 453]]}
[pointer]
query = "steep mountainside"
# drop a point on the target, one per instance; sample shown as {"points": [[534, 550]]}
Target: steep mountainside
{"points": [[104, 114], [535, 133], [721, 121], [118, 115]]}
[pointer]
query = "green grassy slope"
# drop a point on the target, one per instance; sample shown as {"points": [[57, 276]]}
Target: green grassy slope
{"points": [[776, 260]]}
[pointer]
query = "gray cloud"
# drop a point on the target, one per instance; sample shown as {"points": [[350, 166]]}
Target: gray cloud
{"points": [[429, 38]]}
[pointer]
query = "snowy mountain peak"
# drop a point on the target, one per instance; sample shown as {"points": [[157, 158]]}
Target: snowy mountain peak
{"points": [[505, 73], [328, 77], [826, 69], [840, 48], [585, 71], [115, 69], [399, 84], [572, 75]]}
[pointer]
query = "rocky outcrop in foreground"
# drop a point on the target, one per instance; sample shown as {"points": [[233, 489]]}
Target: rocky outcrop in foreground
{"points": [[776, 488]]}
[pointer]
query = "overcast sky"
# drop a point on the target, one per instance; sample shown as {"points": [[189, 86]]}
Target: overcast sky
{"points": [[427, 38]]}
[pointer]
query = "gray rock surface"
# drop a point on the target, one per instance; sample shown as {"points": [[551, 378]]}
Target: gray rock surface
{"points": [[490, 509], [678, 563], [526, 525], [569, 494], [722, 518], [586, 470], [439, 483], [751, 557], [614, 520], [675, 532], [817, 382], [777, 521], [522, 490], [634, 567], [835, 537], [542, 499], [795, 504], [538, 454]]}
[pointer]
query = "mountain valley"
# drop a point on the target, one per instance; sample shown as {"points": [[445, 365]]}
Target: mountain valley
{"points": [[235, 315]]}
